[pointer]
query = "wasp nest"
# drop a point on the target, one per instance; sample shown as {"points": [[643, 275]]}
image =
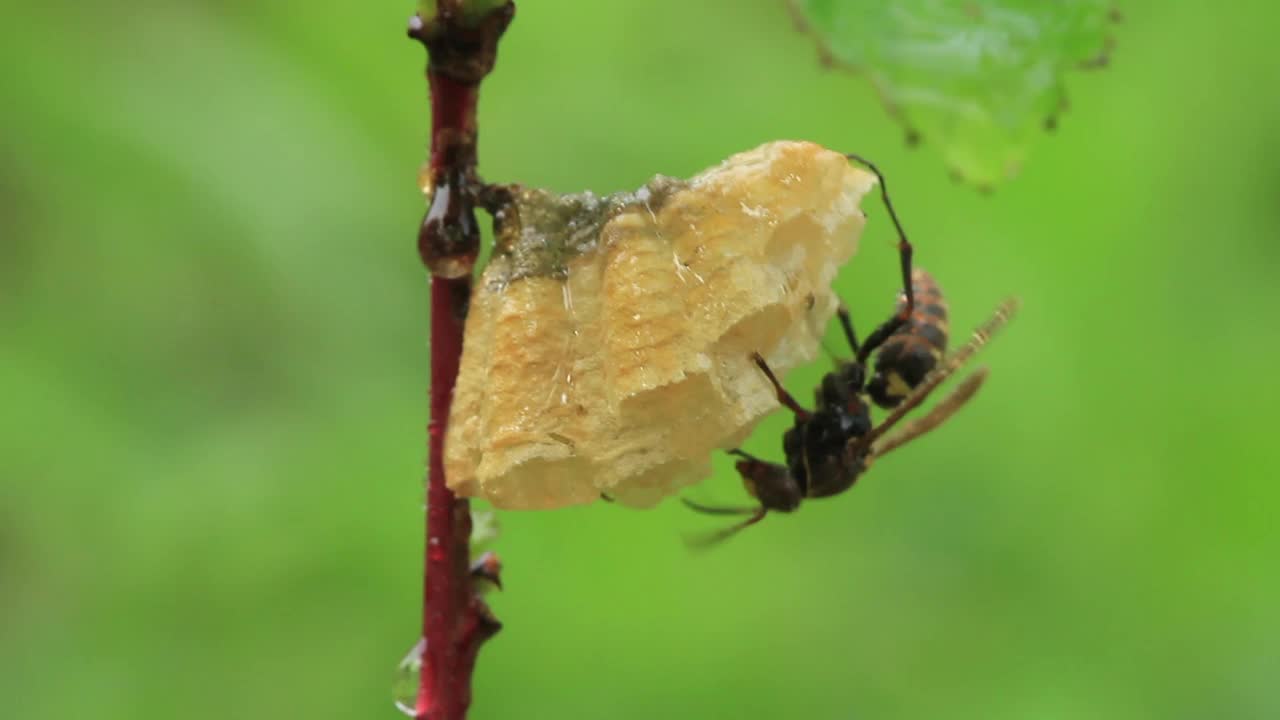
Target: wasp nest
{"points": [[607, 349]]}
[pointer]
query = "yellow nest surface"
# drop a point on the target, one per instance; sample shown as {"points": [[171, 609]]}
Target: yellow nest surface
{"points": [[607, 349]]}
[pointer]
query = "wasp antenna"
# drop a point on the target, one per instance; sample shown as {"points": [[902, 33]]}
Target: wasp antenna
{"points": [[718, 510], [697, 542]]}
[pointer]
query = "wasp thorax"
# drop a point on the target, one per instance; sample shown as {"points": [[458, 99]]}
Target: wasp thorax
{"points": [[608, 346]]}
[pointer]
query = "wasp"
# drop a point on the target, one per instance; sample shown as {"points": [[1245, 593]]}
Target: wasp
{"points": [[830, 447], [910, 353]]}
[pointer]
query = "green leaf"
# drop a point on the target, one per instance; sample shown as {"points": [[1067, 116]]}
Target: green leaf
{"points": [[978, 79]]}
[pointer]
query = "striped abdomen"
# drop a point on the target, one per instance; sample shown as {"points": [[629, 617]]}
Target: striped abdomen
{"points": [[911, 352]]}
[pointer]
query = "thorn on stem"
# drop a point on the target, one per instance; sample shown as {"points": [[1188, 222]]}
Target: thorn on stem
{"points": [[488, 567]]}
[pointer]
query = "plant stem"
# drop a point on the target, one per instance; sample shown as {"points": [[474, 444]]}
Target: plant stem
{"points": [[461, 50], [447, 588]]}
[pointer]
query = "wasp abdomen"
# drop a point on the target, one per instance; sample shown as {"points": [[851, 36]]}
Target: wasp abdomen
{"points": [[904, 360]]}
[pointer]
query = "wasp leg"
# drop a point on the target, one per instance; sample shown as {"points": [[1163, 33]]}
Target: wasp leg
{"points": [[784, 397], [879, 335], [846, 322], [905, 252], [905, 249]]}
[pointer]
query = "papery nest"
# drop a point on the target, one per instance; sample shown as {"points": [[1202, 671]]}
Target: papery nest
{"points": [[607, 349]]}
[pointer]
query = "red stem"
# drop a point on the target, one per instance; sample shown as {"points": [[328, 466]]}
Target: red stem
{"points": [[455, 621], [446, 583], [453, 113]]}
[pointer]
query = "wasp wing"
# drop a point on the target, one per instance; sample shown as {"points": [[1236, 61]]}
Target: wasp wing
{"points": [[981, 336], [938, 415]]}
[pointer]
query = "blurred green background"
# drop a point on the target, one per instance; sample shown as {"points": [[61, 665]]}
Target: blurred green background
{"points": [[213, 365]]}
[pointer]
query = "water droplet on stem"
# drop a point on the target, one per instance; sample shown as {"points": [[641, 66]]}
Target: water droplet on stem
{"points": [[408, 675], [449, 238]]}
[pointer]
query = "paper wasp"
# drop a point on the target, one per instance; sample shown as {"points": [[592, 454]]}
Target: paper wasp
{"points": [[829, 448]]}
